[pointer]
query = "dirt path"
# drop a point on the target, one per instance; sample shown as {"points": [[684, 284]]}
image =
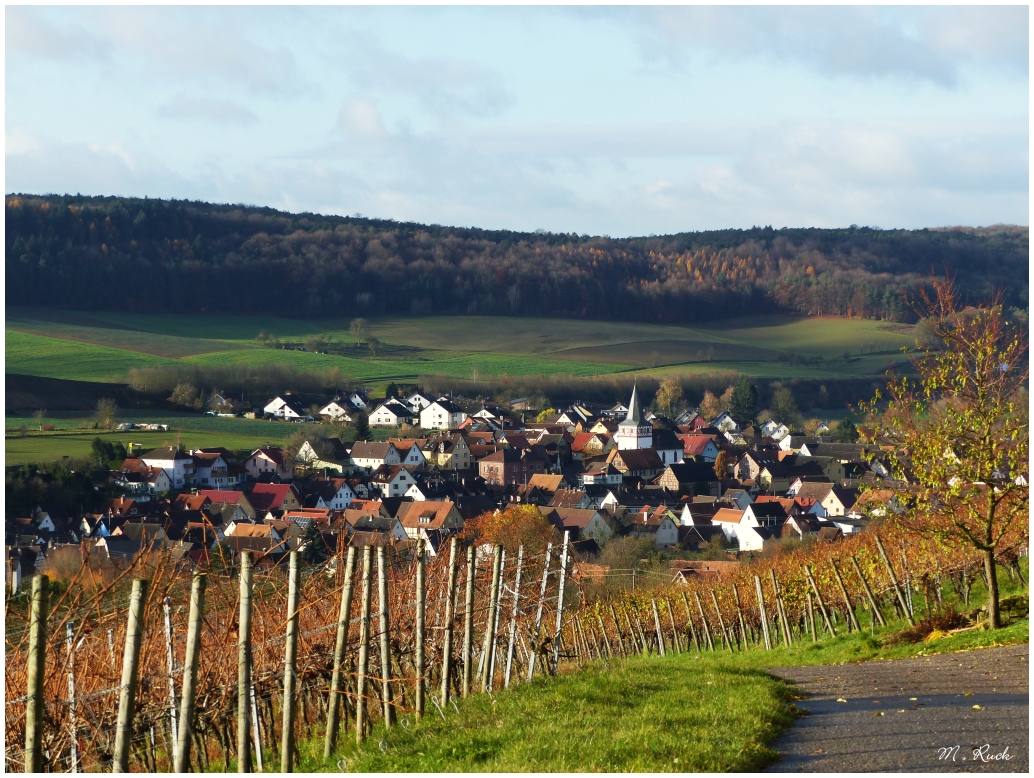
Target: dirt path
{"points": [[927, 705]]}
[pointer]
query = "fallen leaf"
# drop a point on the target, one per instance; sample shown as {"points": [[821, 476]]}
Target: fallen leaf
{"points": [[818, 751], [968, 694], [977, 707], [841, 699], [913, 698], [901, 711], [875, 701], [878, 713]]}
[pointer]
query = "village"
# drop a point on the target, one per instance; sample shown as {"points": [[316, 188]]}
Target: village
{"points": [[706, 492]]}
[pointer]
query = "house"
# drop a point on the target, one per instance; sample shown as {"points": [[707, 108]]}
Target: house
{"points": [[448, 453], [428, 515], [602, 475], [442, 414], [642, 463], [583, 524], [269, 497], [725, 423], [765, 514], [335, 455], [140, 479], [335, 411], [334, 493], [178, 465], [751, 538], [698, 513], [358, 401], [373, 455], [659, 525], [268, 461], [588, 445], [668, 446], [826, 499], [739, 498], [548, 483], [689, 477], [223, 497], [210, 470], [418, 402], [510, 466], [700, 448], [392, 480], [729, 520], [392, 413], [287, 407], [247, 530], [410, 453]]}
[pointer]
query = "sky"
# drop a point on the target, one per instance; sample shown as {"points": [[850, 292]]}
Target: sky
{"points": [[605, 120]]}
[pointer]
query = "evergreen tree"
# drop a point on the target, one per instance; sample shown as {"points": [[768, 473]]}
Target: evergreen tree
{"points": [[743, 405], [314, 548], [362, 427]]}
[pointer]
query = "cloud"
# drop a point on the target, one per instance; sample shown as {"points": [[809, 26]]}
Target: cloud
{"points": [[182, 106], [31, 34], [923, 43], [360, 117], [444, 87]]}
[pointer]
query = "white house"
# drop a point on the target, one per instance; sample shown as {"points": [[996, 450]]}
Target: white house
{"points": [[729, 520], [392, 481], [335, 493], [178, 465], [410, 453], [753, 538], [287, 407], [373, 455], [442, 414], [418, 402], [725, 423], [337, 412], [209, 470], [391, 413]]}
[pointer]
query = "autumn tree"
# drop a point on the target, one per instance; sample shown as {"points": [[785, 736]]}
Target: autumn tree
{"points": [[184, 394], [514, 526], [38, 417], [668, 396], [722, 463], [725, 401], [709, 407], [106, 412], [960, 432]]}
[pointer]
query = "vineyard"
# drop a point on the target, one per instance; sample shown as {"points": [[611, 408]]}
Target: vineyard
{"points": [[158, 669]]}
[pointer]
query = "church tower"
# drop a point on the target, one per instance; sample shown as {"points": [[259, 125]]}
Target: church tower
{"points": [[634, 432]]}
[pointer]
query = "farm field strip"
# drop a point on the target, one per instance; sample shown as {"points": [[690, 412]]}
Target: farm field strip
{"points": [[57, 358]]}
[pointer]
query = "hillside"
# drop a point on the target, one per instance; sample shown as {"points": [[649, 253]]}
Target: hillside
{"points": [[157, 256]]}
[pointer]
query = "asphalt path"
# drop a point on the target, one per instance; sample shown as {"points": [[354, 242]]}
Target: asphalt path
{"points": [[961, 712]]}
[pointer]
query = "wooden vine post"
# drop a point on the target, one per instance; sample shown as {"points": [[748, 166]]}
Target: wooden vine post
{"points": [[868, 593], [186, 722], [450, 616], [538, 613], [421, 587], [73, 726], [488, 645], [761, 611], [617, 626], [468, 623], [674, 631], [721, 621], [657, 626], [784, 623], [689, 621], [39, 607], [827, 620], [739, 614], [364, 647], [290, 665], [703, 622], [560, 601], [852, 620], [894, 580], [171, 663], [130, 663], [811, 617], [513, 619], [337, 678], [385, 626], [494, 614], [244, 688]]}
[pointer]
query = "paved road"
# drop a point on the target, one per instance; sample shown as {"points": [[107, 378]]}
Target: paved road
{"points": [[925, 708]]}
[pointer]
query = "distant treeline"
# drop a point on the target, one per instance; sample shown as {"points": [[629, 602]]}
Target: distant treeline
{"points": [[190, 257], [263, 383]]}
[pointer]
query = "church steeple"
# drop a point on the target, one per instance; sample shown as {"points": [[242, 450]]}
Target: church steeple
{"points": [[634, 413], [634, 432]]}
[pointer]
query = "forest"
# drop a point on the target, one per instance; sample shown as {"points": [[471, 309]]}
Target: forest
{"points": [[175, 256]]}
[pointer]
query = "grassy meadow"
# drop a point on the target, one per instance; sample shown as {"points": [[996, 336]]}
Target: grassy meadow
{"points": [[104, 346]]}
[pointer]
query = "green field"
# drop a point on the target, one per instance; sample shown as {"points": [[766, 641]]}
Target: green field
{"points": [[104, 346]]}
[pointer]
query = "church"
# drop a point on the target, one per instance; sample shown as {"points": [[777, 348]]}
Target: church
{"points": [[634, 432]]}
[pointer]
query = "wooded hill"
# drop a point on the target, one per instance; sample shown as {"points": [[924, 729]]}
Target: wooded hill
{"points": [[107, 253]]}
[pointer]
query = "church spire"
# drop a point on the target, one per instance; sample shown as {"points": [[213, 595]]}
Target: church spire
{"points": [[634, 414]]}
